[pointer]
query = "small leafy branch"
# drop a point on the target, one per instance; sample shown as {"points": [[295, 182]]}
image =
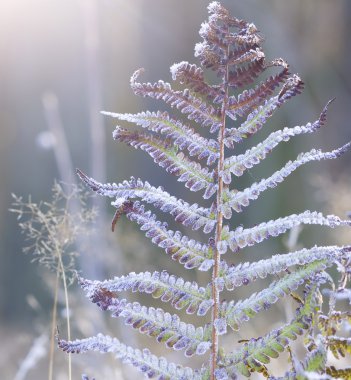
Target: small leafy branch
{"points": [[52, 230], [232, 111]]}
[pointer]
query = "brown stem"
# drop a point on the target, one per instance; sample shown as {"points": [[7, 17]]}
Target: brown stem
{"points": [[219, 226]]}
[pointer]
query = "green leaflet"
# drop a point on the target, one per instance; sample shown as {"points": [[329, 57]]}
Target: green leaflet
{"points": [[257, 352], [315, 361], [241, 311], [344, 373], [339, 346], [312, 365]]}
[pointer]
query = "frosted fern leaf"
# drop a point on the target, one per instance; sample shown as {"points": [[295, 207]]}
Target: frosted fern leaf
{"points": [[259, 116], [164, 327], [245, 273], [189, 215], [193, 76], [238, 312], [147, 363], [250, 99], [193, 141], [239, 164], [182, 135], [184, 101], [186, 251], [239, 199], [188, 171], [258, 352], [169, 288], [244, 237]]}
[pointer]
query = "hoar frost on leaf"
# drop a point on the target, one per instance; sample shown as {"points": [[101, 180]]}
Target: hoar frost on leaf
{"points": [[193, 140], [169, 288]]}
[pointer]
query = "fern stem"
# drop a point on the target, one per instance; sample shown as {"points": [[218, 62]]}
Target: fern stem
{"points": [[219, 226]]}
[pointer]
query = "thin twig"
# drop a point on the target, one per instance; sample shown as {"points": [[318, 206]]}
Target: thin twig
{"points": [[53, 327], [67, 314]]}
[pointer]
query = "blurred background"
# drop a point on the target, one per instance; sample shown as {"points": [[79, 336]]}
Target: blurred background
{"points": [[64, 61]]}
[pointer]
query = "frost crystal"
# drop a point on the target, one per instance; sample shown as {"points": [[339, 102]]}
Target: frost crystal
{"points": [[221, 326], [221, 374], [175, 68], [222, 247]]}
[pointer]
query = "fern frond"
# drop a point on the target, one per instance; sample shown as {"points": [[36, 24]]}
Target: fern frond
{"points": [[257, 352], [216, 58], [339, 346], [208, 57], [217, 37], [316, 359], [250, 99], [220, 14], [238, 312], [344, 373], [189, 215], [184, 101], [241, 238], [193, 76], [164, 327], [147, 363], [258, 117], [247, 35], [213, 50], [195, 177], [186, 251], [237, 165], [243, 55], [212, 35], [168, 288], [330, 323], [245, 273], [239, 199], [232, 49], [313, 366], [182, 135], [243, 76]]}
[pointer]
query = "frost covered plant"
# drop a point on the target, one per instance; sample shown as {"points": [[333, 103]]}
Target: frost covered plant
{"points": [[52, 230], [231, 48]]}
